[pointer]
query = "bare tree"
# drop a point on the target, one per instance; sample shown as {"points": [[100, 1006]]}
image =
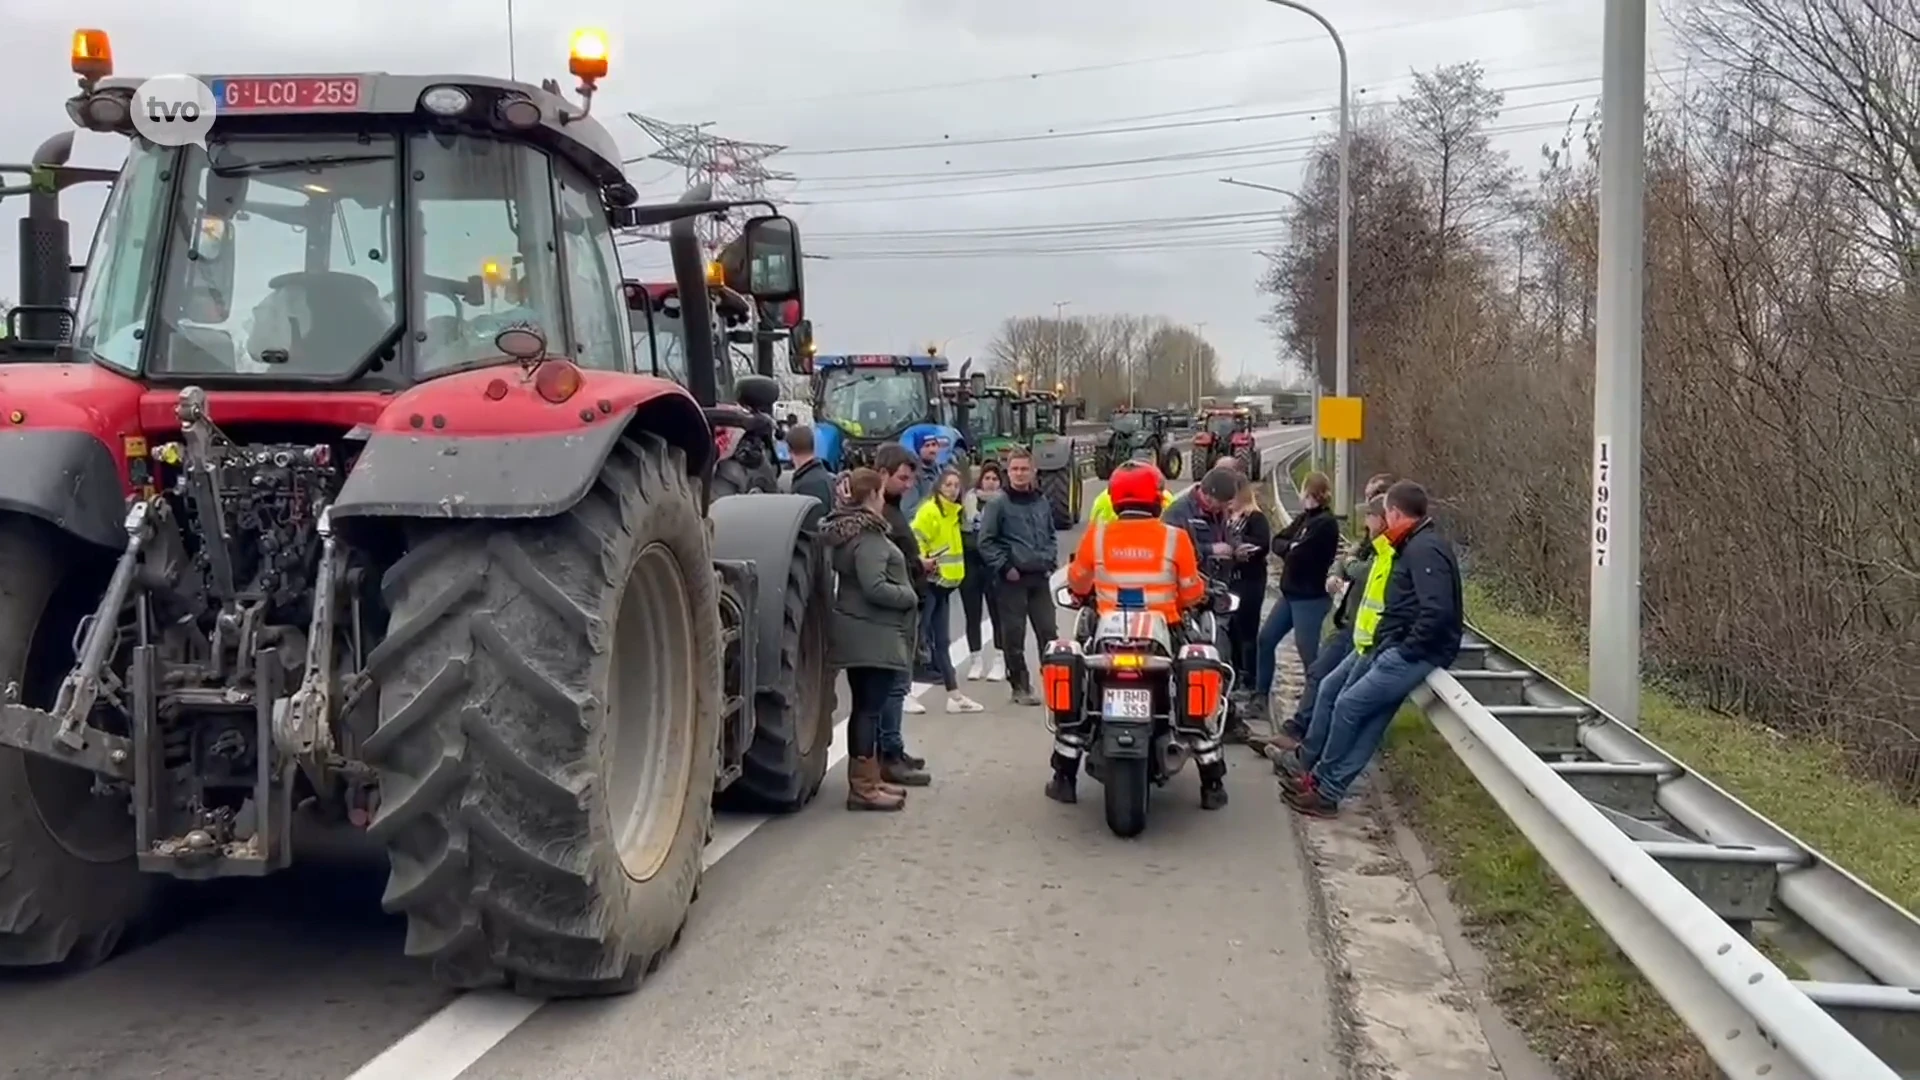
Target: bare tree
{"points": [[1783, 381], [1109, 360]]}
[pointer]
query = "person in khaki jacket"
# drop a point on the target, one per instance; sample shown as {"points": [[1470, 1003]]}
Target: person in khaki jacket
{"points": [[874, 612]]}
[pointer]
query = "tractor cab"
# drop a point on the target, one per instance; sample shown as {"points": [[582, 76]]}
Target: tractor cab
{"points": [[992, 425], [863, 401]]}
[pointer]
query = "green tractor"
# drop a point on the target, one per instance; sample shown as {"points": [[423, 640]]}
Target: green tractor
{"points": [[1137, 434], [1040, 420]]}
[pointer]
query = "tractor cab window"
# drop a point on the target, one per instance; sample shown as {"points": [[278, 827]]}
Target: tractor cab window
{"points": [[279, 259], [1043, 418], [1127, 423], [1221, 426], [988, 419], [595, 293], [487, 256], [873, 402], [114, 297]]}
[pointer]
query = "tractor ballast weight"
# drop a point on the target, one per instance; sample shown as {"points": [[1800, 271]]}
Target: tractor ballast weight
{"points": [[485, 611]]}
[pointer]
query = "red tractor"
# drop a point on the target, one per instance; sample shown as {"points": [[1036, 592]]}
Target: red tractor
{"points": [[1224, 433], [340, 499]]}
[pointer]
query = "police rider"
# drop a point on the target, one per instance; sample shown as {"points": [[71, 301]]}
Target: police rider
{"points": [[1151, 561]]}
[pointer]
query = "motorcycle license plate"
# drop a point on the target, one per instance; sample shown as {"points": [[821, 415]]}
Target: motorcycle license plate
{"points": [[1127, 704]]}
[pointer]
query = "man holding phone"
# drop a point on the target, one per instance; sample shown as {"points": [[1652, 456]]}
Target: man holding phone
{"points": [[1205, 511]]}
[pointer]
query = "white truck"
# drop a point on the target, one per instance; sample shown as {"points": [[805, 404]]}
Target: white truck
{"points": [[1260, 404]]}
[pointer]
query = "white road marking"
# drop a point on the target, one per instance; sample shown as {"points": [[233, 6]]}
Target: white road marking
{"points": [[447, 1043]]}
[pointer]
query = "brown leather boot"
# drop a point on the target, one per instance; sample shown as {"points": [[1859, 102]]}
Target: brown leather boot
{"points": [[864, 789]]}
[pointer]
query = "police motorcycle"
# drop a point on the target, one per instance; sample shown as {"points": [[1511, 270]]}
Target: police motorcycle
{"points": [[1137, 698]]}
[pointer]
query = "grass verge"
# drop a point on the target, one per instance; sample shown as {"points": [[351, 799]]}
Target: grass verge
{"points": [[1581, 1003]]}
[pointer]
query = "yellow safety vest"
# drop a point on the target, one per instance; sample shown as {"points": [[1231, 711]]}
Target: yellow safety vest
{"points": [[1374, 599], [1103, 507], [936, 525]]}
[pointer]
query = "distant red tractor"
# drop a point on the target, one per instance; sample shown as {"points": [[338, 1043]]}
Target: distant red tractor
{"points": [[341, 498], [1223, 433]]}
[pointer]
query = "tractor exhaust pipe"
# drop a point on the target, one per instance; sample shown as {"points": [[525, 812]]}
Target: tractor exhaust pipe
{"points": [[696, 322]]}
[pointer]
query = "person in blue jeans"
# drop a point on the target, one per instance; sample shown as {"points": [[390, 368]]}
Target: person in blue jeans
{"points": [[1307, 547], [1415, 629], [1348, 578]]}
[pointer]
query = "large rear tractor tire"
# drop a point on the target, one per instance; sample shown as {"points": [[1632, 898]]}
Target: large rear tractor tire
{"points": [[549, 733], [1104, 462], [1172, 463], [69, 888], [1062, 489], [783, 769], [1249, 462]]}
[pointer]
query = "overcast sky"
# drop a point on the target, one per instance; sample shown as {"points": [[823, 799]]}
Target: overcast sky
{"points": [[932, 244]]}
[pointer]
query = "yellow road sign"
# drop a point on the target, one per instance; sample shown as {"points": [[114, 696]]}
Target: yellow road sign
{"points": [[1341, 419]]}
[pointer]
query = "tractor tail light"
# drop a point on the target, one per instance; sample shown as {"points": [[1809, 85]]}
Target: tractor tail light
{"points": [[556, 381]]}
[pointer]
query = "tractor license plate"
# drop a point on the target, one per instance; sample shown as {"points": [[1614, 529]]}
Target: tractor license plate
{"points": [[308, 94], [1127, 704]]}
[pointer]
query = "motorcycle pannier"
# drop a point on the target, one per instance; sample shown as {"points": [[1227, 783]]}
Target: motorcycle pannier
{"points": [[1200, 681], [1062, 678]]}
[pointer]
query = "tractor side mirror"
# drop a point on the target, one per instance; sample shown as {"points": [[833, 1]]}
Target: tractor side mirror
{"points": [[800, 348], [757, 392], [977, 384], [764, 261]]}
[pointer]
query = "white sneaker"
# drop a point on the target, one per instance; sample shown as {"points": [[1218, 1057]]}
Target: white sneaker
{"points": [[913, 707], [958, 703], [978, 670], [999, 671]]}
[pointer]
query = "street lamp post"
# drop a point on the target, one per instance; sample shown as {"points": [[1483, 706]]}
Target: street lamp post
{"points": [[1343, 452], [1193, 362], [1316, 453], [1059, 320], [1613, 629]]}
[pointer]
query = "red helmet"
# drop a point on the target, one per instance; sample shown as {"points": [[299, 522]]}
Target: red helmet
{"points": [[1135, 486]]}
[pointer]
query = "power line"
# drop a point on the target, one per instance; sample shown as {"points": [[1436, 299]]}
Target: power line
{"points": [[1068, 227], [1139, 125], [1118, 65], [1095, 181], [867, 181]]}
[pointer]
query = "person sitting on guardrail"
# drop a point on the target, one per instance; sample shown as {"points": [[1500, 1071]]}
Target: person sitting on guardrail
{"points": [[1416, 629], [1307, 547], [1347, 581], [980, 591]]}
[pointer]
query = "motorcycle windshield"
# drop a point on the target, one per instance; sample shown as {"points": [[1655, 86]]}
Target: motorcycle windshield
{"points": [[874, 403]]}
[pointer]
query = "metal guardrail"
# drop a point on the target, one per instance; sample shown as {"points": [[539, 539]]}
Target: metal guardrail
{"points": [[1682, 876]]}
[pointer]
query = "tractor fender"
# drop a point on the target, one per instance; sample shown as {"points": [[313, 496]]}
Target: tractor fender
{"points": [[827, 439], [762, 529], [66, 478], [449, 449], [1054, 454]]}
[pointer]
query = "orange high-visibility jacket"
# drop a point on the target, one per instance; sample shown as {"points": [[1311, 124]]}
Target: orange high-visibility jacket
{"points": [[1140, 553]]}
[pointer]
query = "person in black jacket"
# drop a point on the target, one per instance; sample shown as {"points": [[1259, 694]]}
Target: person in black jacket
{"points": [[1252, 536], [1307, 547], [900, 467], [1018, 543], [1421, 622], [810, 475]]}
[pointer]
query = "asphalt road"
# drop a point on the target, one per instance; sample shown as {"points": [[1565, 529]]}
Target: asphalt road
{"points": [[983, 932]]}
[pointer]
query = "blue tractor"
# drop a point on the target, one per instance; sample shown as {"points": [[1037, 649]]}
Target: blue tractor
{"points": [[863, 402]]}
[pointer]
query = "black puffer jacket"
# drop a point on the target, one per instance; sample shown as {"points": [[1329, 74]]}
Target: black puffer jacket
{"points": [[1307, 548], [1424, 610]]}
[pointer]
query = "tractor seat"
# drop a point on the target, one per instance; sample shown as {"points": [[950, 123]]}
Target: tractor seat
{"points": [[317, 322]]}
